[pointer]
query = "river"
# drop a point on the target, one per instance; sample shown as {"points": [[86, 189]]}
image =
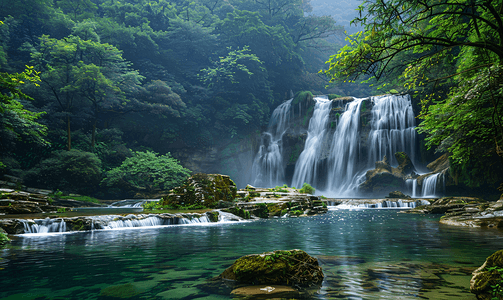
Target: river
{"points": [[365, 254]]}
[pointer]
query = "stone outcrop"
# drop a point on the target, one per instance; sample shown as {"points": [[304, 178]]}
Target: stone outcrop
{"points": [[283, 267], [489, 214], [203, 190], [265, 203], [447, 205], [489, 277]]}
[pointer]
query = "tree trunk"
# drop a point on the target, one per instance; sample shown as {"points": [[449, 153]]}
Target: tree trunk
{"points": [[93, 135], [68, 133]]}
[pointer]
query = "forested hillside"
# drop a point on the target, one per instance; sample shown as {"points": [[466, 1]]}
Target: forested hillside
{"points": [[106, 78]]}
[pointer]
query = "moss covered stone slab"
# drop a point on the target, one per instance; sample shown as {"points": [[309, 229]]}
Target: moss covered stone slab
{"points": [[281, 267]]}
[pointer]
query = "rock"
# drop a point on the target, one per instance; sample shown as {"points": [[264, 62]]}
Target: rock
{"points": [[397, 194], [447, 205], [440, 164], [12, 226], [383, 165], [489, 214], [488, 275], [202, 189], [405, 166], [276, 291], [282, 267]]}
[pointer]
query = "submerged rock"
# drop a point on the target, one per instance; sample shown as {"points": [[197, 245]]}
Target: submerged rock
{"points": [[487, 281], [282, 267]]}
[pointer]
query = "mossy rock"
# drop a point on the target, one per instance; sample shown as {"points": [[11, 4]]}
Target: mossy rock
{"points": [[203, 190], [285, 267], [489, 275]]}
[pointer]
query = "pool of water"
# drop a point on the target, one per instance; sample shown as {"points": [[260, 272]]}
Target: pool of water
{"points": [[366, 254]]}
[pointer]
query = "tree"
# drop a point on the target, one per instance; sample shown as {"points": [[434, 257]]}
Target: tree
{"points": [[464, 38], [16, 121], [146, 171], [78, 71]]}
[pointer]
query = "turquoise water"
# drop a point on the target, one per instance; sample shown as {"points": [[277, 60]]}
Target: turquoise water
{"points": [[367, 254]]}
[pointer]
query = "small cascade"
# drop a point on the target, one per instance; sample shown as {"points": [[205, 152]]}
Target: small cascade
{"points": [[268, 166], [385, 204], [44, 225], [343, 158], [117, 222], [306, 166], [429, 187]]}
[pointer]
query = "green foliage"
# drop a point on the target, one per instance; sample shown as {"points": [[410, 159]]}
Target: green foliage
{"points": [[4, 239], [146, 170], [296, 213], [307, 189], [496, 289], [73, 170], [16, 121]]}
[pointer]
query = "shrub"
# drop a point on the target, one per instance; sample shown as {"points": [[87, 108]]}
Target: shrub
{"points": [[146, 171], [307, 189], [72, 170]]}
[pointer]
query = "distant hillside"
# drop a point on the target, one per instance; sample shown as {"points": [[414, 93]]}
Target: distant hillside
{"points": [[343, 11]]}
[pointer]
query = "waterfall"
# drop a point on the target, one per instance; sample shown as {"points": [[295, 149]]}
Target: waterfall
{"points": [[392, 129], [340, 147], [306, 166], [343, 158], [268, 167]]}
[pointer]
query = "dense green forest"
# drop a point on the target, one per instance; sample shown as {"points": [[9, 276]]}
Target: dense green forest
{"points": [[93, 89], [96, 81]]}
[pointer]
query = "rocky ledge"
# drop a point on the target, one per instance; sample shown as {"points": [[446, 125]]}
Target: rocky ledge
{"points": [[20, 202], [489, 214], [465, 211]]}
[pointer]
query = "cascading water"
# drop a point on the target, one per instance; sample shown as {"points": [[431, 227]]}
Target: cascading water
{"points": [[115, 222], [268, 167], [340, 147], [392, 129], [306, 166], [343, 158]]}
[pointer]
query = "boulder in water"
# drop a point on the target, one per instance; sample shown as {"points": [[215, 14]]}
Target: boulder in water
{"points": [[281, 267], [487, 281], [405, 165]]}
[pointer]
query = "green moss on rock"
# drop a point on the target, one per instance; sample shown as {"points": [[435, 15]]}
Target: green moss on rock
{"points": [[286, 267], [487, 281], [202, 190]]}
